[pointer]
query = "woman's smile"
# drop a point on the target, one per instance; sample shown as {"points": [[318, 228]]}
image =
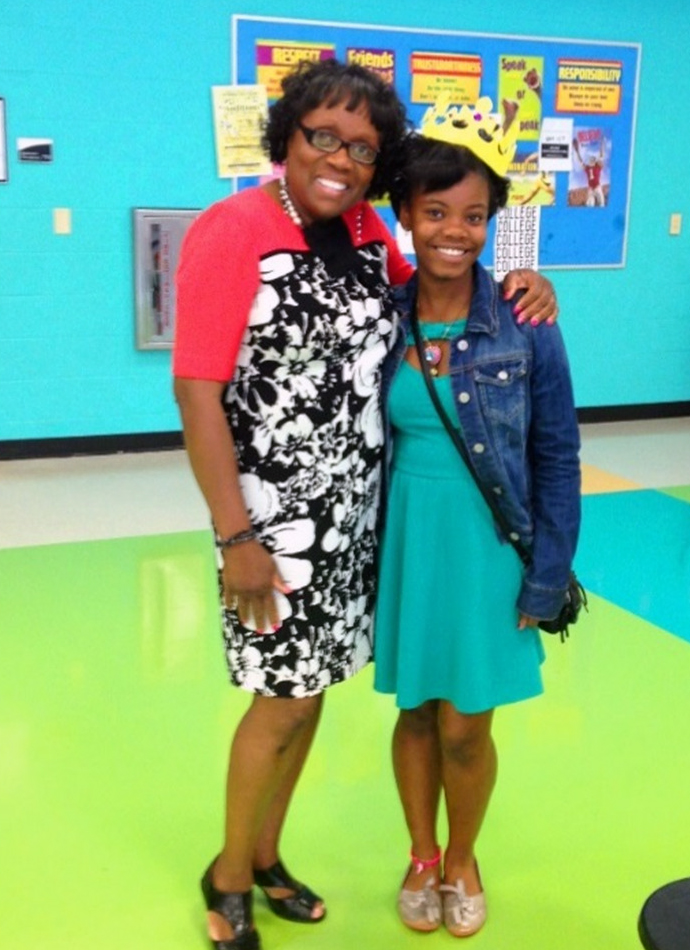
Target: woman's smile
{"points": [[330, 184]]}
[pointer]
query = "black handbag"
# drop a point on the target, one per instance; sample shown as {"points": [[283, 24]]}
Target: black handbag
{"points": [[575, 600], [575, 596]]}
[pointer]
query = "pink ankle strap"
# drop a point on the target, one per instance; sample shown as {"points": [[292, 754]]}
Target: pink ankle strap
{"points": [[419, 865]]}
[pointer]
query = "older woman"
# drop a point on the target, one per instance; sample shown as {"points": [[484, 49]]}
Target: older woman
{"points": [[284, 318]]}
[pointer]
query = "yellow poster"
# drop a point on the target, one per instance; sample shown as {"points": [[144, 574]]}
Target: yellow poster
{"points": [[381, 61], [274, 59], [520, 81], [451, 76], [592, 86], [528, 184], [238, 116]]}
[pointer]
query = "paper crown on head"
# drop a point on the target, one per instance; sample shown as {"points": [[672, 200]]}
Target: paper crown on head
{"points": [[476, 128]]}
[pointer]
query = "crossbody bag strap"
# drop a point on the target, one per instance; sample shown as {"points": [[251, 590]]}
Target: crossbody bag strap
{"points": [[522, 552]]}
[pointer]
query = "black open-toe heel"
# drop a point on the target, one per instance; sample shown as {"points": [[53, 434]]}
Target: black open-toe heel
{"points": [[299, 905], [236, 908]]}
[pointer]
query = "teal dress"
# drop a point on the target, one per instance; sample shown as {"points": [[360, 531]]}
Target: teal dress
{"points": [[446, 620]]}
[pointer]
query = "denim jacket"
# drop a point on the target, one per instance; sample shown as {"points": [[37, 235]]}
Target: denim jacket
{"points": [[514, 402]]}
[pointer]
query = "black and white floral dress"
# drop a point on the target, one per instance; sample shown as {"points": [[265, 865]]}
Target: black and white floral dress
{"points": [[303, 405]]}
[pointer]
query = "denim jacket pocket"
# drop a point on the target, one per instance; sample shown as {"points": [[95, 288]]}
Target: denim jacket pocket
{"points": [[502, 391]]}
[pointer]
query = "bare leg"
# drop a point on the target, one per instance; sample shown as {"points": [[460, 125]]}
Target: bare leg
{"points": [[469, 775], [267, 846], [269, 745], [417, 765]]}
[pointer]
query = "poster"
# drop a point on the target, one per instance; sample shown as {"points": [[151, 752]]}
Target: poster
{"points": [[529, 183], [589, 86], [516, 243], [238, 116], [589, 184], [555, 153], [455, 77], [274, 59], [520, 83]]}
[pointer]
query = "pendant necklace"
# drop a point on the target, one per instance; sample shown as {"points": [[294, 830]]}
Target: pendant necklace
{"points": [[433, 351]]}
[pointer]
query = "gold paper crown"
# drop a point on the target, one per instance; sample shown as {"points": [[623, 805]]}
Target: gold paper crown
{"points": [[475, 128]]}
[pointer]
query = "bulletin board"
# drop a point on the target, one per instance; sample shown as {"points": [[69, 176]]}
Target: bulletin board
{"points": [[584, 208]]}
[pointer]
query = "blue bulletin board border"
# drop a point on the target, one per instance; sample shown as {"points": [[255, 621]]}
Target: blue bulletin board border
{"points": [[572, 75]]}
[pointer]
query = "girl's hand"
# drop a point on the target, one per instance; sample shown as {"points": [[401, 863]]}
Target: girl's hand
{"points": [[249, 578], [538, 303], [526, 621]]}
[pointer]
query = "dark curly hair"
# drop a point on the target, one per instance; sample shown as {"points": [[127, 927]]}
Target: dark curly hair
{"points": [[428, 165], [330, 83]]}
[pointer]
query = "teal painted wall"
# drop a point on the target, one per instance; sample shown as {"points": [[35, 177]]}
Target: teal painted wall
{"points": [[123, 90]]}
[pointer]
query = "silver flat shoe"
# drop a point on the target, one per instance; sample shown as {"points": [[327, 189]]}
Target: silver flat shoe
{"points": [[421, 910], [462, 915]]}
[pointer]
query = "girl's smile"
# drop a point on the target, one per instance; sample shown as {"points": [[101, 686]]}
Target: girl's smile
{"points": [[448, 228]]}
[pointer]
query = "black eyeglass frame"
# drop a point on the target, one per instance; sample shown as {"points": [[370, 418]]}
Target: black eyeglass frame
{"points": [[348, 146]]}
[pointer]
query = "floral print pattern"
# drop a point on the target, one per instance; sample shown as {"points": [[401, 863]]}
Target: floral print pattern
{"points": [[304, 409]]}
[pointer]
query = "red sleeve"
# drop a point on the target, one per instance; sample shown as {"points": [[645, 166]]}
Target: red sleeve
{"points": [[216, 282], [399, 268]]}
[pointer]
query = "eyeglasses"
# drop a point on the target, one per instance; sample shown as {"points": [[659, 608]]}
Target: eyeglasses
{"points": [[326, 141]]}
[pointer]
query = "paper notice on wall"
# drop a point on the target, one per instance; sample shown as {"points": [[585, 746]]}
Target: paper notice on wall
{"points": [[516, 244], [276, 58], [35, 150], [554, 145], [455, 77], [238, 114]]}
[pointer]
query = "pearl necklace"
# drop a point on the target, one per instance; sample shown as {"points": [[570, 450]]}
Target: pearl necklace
{"points": [[288, 206], [294, 215]]}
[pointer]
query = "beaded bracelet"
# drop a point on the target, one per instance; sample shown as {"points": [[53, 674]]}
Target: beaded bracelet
{"points": [[249, 534]]}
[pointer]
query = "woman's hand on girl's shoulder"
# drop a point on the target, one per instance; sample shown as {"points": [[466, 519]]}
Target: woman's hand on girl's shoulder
{"points": [[538, 303]]}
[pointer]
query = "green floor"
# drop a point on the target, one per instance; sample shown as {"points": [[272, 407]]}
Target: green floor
{"points": [[114, 724]]}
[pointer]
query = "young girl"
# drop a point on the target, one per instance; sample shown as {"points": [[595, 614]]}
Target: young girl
{"points": [[456, 623]]}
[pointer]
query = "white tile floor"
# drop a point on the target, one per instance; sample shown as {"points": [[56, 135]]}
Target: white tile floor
{"points": [[47, 501], [654, 453]]}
